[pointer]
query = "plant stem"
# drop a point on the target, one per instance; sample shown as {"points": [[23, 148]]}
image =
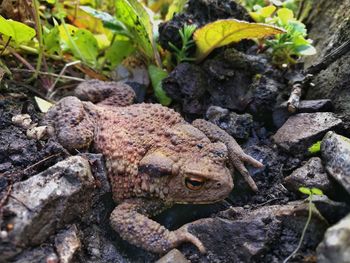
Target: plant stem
{"points": [[304, 231], [40, 37]]}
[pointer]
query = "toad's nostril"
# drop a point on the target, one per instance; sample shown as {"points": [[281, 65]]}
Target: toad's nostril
{"points": [[218, 184]]}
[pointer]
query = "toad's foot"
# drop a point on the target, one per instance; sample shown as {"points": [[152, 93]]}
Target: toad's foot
{"points": [[236, 154], [130, 220]]}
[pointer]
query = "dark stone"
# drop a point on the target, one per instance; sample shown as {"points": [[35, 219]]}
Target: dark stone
{"points": [[330, 28], [99, 248], [205, 11], [304, 129], [335, 151], [231, 80], [331, 210], [249, 235], [42, 254], [187, 84], [237, 125], [335, 246], [46, 202], [281, 113], [67, 243], [140, 90], [312, 174]]}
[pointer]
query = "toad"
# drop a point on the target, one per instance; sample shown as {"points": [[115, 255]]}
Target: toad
{"points": [[153, 157]]}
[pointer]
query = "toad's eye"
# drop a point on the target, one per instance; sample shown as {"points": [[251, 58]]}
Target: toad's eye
{"points": [[193, 183]]}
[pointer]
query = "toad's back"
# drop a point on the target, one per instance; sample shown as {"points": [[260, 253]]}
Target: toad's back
{"points": [[124, 135]]}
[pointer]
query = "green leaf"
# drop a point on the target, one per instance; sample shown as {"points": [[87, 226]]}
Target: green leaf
{"points": [[306, 50], [19, 32], [305, 190], [263, 13], [227, 31], [285, 15], [87, 45], [296, 27], [157, 75], [176, 7], [134, 16], [80, 42], [52, 40], [51, 1], [315, 148], [118, 51], [108, 21], [316, 191]]}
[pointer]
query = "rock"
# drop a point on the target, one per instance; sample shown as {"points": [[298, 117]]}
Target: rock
{"points": [[335, 246], [246, 235], [332, 211], [231, 79], [187, 85], [281, 113], [322, 105], [44, 254], [131, 71], [206, 11], [98, 248], [303, 129], [237, 125], [237, 81], [312, 174], [140, 91], [335, 151], [173, 256], [67, 244], [45, 202], [22, 120], [329, 28], [265, 91]]}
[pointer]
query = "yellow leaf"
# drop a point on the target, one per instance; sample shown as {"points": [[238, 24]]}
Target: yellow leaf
{"points": [[223, 32], [43, 105]]}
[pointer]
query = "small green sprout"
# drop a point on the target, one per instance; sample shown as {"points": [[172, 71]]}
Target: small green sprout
{"points": [[285, 48], [186, 33], [315, 148], [310, 192]]}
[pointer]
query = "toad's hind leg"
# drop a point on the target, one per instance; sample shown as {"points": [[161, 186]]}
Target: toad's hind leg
{"points": [[106, 93], [73, 127], [235, 152], [130, 220]]}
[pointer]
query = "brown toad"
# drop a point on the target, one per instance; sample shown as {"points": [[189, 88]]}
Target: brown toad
{"points": [[154, 158]]}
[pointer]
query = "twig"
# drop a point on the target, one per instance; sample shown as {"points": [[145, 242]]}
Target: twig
{"points": [[60, 75], [40, 162], [294, 98], [49, 74], [22, 59], [6, 45], [39, 32]]}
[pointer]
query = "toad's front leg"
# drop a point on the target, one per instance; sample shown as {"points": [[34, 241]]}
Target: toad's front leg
{"points": [[236, 154], [130, 220]]}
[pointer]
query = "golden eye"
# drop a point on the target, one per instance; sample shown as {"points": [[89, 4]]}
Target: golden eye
{"points": [[194, 183]]}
